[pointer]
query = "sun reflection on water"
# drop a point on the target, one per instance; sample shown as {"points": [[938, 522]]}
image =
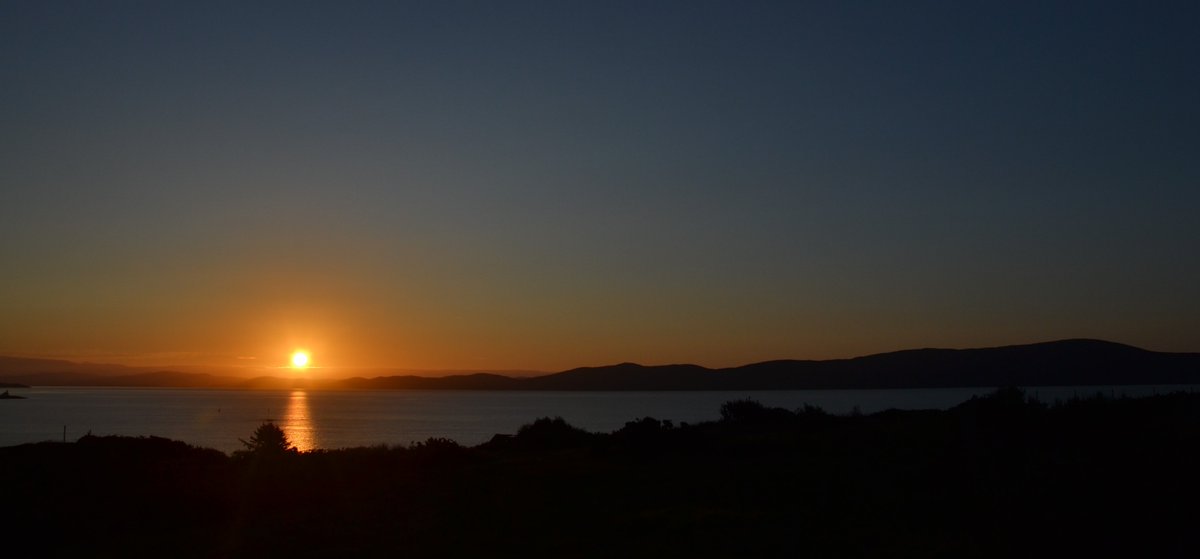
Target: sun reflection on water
{"points": [[297, 422]]}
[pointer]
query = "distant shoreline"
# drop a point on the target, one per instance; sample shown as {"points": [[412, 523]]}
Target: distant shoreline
{"points": [[1059, 363]]}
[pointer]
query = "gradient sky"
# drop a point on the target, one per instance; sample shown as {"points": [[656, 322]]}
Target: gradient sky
{"points": [[547, 185]]}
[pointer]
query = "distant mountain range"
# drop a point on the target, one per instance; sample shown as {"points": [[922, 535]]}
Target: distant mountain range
{"points": [[1059, 363]]}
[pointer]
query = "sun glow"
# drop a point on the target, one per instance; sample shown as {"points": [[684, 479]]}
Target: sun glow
{"points": [[300, 359]]}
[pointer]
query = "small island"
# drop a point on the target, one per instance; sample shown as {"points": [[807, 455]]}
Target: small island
{"points": [[6, 396]]}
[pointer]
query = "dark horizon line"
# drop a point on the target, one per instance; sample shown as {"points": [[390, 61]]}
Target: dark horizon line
{"points": [[1076, 361], [532, 373]]}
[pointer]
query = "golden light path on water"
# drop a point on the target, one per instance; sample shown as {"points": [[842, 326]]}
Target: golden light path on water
{"points": [[297, 422]]}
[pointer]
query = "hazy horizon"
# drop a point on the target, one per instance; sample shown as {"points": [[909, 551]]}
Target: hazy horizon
{"points": [[320, 373], [544, 185]]}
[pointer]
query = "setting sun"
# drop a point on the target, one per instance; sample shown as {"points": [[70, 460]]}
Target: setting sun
{"points": [[299, 359]]}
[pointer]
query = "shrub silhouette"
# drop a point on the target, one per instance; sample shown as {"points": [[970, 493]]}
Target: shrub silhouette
{"points": [[646, 426], [551, 433], [751, 412], [436, 444], [645, 434]]}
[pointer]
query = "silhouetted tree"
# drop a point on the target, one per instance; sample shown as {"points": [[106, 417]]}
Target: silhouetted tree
{"points": [[268, 440]]}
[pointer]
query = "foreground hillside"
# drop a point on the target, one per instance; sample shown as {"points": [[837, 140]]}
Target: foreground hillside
{"points": [[993, 477]]}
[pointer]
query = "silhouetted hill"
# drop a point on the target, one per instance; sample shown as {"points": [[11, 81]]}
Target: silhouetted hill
{"points": [[166, 379], [169, 379], [628, 376], [280, 383], [55, 379], [57, 372], [11, 367], [1059, 363], [477, 381]]}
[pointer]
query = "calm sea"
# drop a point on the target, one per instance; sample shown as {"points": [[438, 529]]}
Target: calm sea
{"points": [[337, 419]]}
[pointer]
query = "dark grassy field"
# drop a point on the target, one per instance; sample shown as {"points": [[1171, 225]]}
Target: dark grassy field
{"points": [[994, 477]]}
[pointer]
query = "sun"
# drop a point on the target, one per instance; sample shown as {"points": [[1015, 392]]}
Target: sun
{"points": [[299, 359]]}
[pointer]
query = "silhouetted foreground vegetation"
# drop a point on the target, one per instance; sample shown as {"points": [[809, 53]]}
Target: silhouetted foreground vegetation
{"points": [[994, 477]]}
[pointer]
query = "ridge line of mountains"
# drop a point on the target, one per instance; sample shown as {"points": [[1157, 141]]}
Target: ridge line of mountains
{"points": [[1076, 362]]}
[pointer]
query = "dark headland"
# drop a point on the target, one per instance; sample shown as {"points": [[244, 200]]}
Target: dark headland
{"points": [[999, 476], [1060, 363]]}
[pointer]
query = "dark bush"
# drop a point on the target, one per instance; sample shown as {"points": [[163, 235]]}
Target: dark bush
{"points": [[552, 433], [751, 412]]}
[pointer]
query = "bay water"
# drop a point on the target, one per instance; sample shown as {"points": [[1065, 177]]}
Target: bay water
{"points": [[339, 419]]}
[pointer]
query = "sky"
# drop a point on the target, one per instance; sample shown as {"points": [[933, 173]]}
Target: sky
{"points": [[539, 186]]}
